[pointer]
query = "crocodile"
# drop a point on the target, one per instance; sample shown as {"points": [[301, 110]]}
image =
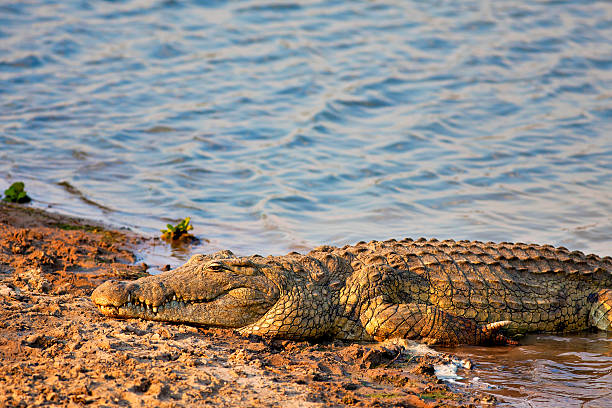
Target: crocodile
{"points": [[440, 292]]}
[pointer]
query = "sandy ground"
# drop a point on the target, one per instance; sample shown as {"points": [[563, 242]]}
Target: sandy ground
{"points": [[57, 350]]}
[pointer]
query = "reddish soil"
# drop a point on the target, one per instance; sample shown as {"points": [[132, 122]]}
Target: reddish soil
{"points": [[56, 349]]}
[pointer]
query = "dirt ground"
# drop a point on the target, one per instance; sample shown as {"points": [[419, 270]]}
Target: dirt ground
{"points": [[56, 349]]}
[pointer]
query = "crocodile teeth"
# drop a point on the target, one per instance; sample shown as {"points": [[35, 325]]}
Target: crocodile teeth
{"points": [[155, 309], [174, 297], [129, 297]]}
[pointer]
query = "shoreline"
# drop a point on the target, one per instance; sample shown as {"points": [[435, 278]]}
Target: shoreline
{"points": [[56, 349]]}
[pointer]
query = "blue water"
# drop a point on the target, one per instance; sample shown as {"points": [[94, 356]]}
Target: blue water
{"points": [[280, 126]]}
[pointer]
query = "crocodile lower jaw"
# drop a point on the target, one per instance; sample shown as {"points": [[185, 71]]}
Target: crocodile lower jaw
{"points": [[232, 308], [141, 309]]}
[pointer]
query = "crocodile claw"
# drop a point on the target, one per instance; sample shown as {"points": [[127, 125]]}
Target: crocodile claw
{"points": [[490, 334]]}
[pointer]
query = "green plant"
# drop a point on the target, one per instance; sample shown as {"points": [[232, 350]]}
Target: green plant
{"points": [[16, 193], [438, 395], [174, 233]]}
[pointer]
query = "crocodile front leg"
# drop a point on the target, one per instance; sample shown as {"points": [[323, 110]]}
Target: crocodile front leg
{"points": [[431, 325]]}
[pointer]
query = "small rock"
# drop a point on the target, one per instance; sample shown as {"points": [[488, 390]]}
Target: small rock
{"points": [[378, 356], [467, 364], [349, 399], [6, 291], [55, 311], [51, 396], [188, 329], [35, 340], [424, 368], [128, 328], [158, 389], [350, 386], [141, 385], [488, 399], [164, 333], [239, 355]]}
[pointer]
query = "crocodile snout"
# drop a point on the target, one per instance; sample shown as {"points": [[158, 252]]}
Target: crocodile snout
{"points": [[113, 293]]}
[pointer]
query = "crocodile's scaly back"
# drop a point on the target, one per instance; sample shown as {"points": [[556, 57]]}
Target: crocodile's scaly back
{"points": [[441, 291], [536, 287]]}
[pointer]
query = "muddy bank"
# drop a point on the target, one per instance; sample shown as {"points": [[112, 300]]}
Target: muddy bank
{"points": [[56, 349]]}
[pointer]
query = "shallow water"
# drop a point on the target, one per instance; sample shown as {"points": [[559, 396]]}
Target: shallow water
{"points": [[282, 126], [545, 371]]}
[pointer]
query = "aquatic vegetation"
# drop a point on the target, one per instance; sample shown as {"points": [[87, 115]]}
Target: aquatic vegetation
{"points": [[177, 232], [16, 193], [76, 227]]}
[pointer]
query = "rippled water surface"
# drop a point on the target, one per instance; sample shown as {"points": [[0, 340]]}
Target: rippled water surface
{"points": [[545, 371], [279, 126]]}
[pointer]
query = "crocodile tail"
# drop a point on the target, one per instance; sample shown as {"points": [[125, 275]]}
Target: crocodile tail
{"points": [[600, 315]]}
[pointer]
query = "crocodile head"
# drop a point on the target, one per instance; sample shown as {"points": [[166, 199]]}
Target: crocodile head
{"points": [[213, 292]]}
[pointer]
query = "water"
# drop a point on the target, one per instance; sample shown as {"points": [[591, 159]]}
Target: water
{"points": [[545, 371], [280, 126]]}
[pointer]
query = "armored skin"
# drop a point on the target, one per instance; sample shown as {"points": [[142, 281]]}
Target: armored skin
{"points": [[443, 292]]}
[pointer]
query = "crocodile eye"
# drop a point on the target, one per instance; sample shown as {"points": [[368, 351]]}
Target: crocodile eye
{"points": [[216, 266]]}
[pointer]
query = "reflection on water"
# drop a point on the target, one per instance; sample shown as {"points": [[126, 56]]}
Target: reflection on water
{"points": [[545, 371], [284, 125]]}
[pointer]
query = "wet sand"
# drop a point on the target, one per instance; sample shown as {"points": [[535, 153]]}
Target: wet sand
{"points": [[56, 349]]}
